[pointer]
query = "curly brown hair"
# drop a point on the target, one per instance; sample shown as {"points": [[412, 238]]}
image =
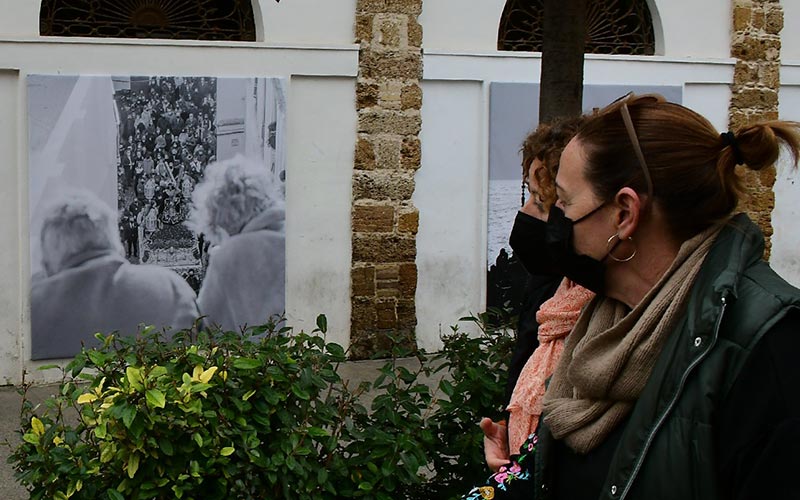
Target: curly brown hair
{"points": [[546, 144]]}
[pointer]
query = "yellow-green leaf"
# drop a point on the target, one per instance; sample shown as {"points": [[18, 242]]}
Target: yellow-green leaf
{"points": [[86, 398], [37, 426], [31, 438], [133, 465], [227, 451], [248, 395], [207, 374], [134, 376], [155, 398]]}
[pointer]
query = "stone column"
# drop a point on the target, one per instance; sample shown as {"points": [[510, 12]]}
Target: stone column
{"points": [[756, 45], [384, 219]]}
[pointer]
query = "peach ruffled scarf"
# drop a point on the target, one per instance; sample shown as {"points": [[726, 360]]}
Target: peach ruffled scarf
{"points": [[556, 317]]}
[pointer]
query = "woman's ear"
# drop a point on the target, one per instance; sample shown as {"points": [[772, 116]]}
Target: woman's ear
{"points": [[629, 206]]}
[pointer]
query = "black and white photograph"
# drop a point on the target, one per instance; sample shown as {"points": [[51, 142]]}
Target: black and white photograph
{"points": [[153, 200], [513, 114]]}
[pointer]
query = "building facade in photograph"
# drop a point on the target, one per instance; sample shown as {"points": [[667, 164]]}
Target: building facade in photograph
{"points": [[389, 135]]}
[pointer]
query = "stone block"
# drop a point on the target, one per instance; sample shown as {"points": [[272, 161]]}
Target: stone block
{"points": [[741, 17], [362, 281], [406, 314], [411, 97], [390, 94], [411, 153], [364, 28], [386, 313], [761, 98], [383, 185], [367, 94], [363, 315], [379, 248], [371, 6], [756, 49], [388, 151], [373, 218], [408, 221], [412, 7], [745, 73], [758, 19], [408, 280], [364, 155], [388, 273], [389, 122], [770, 75], [414, 33], [774, 23], [389, 32], [402, 64]]}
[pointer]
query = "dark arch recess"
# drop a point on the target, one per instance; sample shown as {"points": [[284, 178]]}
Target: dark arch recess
{"points": [[166, 19], [614, 27]]}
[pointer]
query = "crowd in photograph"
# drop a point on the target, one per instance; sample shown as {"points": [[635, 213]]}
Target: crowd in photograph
{"points": [[167, 138]]}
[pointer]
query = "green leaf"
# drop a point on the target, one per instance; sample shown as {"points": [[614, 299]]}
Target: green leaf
{"points": [[133, 464], [134, 376], [198, 439], [47, 367], [300, 392], [246, 363], [155, 398], [30, 437], [248, 395], [365, 486], [322, 323], [114, 495], [227, 451], [166, 446], [128, 414]]}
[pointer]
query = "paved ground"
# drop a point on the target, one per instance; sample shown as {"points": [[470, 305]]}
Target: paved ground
{"points": [[10, 403]]}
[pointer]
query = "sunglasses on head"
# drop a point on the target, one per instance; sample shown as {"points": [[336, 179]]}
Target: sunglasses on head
{"points": [[621, 104]]}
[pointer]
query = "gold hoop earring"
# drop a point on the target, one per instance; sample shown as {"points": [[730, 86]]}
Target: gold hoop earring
{"points": [[610, 249]]}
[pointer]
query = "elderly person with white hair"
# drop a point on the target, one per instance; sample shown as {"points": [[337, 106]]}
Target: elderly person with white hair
{"points": [[88, 286], [239, 207]]}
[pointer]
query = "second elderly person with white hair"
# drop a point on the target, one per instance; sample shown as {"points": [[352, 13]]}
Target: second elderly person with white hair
{"points": [[239, 207]]}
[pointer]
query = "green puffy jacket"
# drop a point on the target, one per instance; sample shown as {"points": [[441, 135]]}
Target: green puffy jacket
{"points": [[667, 448]]}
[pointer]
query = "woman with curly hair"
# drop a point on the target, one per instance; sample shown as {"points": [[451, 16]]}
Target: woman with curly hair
{"points": [[240, 210]]}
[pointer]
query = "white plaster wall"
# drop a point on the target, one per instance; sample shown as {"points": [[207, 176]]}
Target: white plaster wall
{"points": [[321, 134], [682, 26], [296, 22], [785, 257], [450, 196], [10, 265], [790, 36]]}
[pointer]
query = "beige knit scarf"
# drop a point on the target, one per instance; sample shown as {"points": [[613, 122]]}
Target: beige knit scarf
{"points": [[611, 352], [556, 317]]}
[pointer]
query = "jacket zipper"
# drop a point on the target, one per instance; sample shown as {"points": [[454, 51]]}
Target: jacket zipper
{"points": [[674, 400]]}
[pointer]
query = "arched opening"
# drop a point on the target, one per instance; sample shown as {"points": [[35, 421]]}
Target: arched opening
{"points": [[613, 27], [231, 20]]}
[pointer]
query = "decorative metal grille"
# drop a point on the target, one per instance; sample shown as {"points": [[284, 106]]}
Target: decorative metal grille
{"points": [[171, 19], [613, 27]]}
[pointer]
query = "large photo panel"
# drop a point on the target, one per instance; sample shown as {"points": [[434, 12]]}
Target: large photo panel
{"points": [[153, 200], [513, 114]]}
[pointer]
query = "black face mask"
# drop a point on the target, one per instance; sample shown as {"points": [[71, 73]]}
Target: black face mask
{"points": [[528, 242], [582, 269]]}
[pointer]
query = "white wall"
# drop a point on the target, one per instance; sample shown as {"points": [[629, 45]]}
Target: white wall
{"points": [[682, 27], [320, 63], [299, 22], [785, 257], [790, 36]]}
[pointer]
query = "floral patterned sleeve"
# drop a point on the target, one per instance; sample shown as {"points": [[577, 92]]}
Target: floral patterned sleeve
{"points": [[511, 481]]}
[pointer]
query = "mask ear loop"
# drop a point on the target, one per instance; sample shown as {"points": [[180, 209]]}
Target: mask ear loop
{"points": [[610, 249]]}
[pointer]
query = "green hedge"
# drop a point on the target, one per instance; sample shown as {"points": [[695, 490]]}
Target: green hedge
{"points": [[222, 415]]}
